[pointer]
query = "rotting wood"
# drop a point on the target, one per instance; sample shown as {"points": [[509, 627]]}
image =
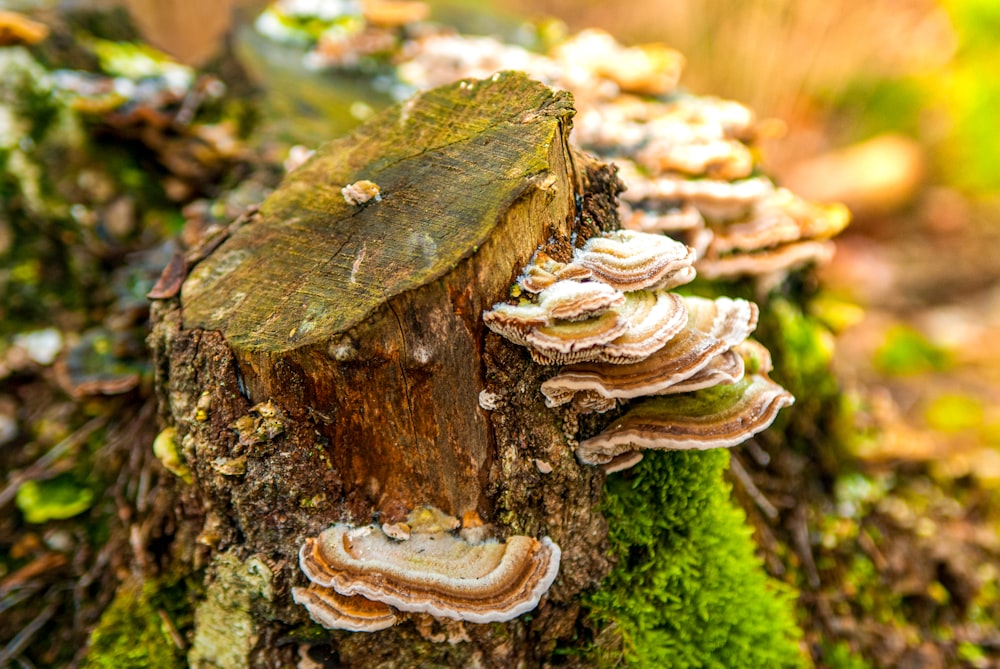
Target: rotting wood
{"points": [[337, 352]]}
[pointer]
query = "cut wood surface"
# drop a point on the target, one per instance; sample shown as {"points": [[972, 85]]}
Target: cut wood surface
{"points": [[370, 314], [449, 165]]}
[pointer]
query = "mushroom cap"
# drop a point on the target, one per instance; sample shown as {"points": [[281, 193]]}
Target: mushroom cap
{"points": [[666, 137], [780, 218], [712, 328], [622, 461], [682, 357], [630, 260], [589, 401], [653, 318], [568, 341], [652, 69], [781, 259], [574, 300], [734, 118], [714, 198], [726, 318], [539, 273], [719, 417], [755, 356], [433, 572], [337, 612], [670, 219], [727, 367], [720, 157], [514, 321]]}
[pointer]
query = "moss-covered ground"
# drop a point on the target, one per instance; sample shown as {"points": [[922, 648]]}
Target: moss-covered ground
{"points": [[142, 627]]}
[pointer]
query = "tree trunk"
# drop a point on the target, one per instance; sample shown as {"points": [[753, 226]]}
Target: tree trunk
{"points": [[328, 362]]}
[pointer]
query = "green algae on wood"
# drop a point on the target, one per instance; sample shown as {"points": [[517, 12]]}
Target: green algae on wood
{"points": [[447, 173]]}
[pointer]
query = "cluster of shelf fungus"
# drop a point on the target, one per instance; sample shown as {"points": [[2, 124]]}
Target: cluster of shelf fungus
{"points": [[610, 319], [680, 372], [688, 162]]}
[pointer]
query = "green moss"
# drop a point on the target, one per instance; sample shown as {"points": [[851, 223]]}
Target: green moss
{"points": [[227, 619], [688, 590], [822, 423], [905, 352], [55, 499], [134, 632], [838, 655]]}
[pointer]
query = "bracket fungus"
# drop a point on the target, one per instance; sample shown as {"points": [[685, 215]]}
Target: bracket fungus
{"points": [[613, 309], [335, 611], [720, 417], [713, 328], [575, 301], [631, 261], [684, 354], [431, 571]]}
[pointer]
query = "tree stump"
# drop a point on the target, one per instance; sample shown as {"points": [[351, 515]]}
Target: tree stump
{"points": [[328, 362]]}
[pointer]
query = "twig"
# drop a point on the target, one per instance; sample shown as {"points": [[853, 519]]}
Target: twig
{"points": [[41, 565], [24, 663], [800, 537], [22, 638], [169, 624], [40, 466], [868, 545], [760, 456], [736, 467], [11, 600]]}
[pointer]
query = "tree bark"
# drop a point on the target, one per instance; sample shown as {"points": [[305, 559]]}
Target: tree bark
{"points": [[328, 362]]}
